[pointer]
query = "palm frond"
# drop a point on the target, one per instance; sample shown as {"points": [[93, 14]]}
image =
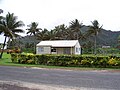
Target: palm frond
{"points": [[18, 24], [9, 25], [1, 11], [33, 28], [18, 31]]}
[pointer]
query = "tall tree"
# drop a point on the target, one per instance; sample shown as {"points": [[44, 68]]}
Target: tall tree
{"points": [[46, 35], [1, 11], [33, 28], [118, 39], [75, 27], [9, 26], [94, 29], [60, 32]]}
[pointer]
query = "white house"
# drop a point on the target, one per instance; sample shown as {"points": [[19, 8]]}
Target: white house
{"points": [[58, 47]]}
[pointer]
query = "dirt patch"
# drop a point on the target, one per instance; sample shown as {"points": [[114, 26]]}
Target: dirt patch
{"points": [[18, 85], [13, 87], [114, 71]]}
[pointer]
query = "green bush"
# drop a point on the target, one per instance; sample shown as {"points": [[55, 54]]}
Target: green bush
{"points": [[103, 62], [112, 62], [85, 63], [30, 62], [67, 60], [14, 58]]}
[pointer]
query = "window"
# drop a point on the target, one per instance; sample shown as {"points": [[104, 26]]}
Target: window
{"points": [[40, 49], [77, 50], [53, 50]]}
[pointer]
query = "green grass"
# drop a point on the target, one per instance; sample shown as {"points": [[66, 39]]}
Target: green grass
{"points": [[6, 61]]}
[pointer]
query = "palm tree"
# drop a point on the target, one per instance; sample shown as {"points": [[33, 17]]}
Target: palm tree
{"points": [[1, 11], [94, 29], [75, 27], [9, 26], [33, 28], [47, 35], [60, 32]]}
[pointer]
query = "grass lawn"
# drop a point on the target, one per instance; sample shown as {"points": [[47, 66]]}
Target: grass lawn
{"points": [[6, 61]]}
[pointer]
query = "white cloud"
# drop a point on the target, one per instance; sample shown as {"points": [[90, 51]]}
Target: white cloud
{"points": [[50, 13]]}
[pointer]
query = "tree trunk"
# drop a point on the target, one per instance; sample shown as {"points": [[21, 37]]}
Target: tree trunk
{"points": [[95, 45], [3, 47]]}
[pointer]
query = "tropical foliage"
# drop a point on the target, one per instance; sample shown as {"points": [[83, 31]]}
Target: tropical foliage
{"points": [[33, 28], [94, 29], [67, 60], [9, 26], [1, 11], [75, 27], [90, 37], [62, 32]]}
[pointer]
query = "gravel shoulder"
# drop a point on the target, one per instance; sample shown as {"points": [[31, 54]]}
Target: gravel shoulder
{"points": [[17, 85]]}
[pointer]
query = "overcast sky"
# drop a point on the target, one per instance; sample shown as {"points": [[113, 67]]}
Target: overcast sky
{"points": [[50, 13]]}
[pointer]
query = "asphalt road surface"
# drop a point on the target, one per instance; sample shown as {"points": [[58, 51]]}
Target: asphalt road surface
{"points": [[47, 79]]}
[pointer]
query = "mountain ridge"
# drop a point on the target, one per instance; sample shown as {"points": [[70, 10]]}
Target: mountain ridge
{"points": [[104, 38]]}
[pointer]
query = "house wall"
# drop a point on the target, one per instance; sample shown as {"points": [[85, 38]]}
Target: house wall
{"points": [[73, 50], [59, 50], [47, 50], [77, 48], [62, 50], [43, 50]]}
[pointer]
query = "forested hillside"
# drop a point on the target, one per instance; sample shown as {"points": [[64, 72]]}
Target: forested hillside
{"points": [[105, 37]]}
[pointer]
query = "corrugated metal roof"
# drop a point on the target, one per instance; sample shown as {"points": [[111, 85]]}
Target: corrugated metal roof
{"points": [[58, 43]]}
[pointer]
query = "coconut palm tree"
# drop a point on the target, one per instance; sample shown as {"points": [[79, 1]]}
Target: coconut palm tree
{"points": [[75, 27], [9, 26], [1, 11], [60, 32], [33, 28], [94, 29], [47, 35]]}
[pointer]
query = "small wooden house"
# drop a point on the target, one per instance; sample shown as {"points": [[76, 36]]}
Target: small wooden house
{"points": [[58, 47]]}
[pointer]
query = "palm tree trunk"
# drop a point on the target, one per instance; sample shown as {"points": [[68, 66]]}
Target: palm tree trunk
{"points": [[3, 47], [95, 45]]}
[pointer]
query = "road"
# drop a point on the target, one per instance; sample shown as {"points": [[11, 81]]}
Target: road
{"points": [[70, 79]]}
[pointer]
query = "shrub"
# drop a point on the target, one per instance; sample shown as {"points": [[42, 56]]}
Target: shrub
{"points": [[112, 62], [103, 62], [85, 63], [14, 58], [30, 62], [66, 60]]}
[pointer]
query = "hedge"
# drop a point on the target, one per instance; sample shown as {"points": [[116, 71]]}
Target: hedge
{"points": [[67, 60]]}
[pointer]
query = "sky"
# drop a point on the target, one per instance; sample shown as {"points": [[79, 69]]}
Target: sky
{"points": [[50, 13]]}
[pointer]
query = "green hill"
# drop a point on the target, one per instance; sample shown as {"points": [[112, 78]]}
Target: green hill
{"points": [[105, 37]]}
